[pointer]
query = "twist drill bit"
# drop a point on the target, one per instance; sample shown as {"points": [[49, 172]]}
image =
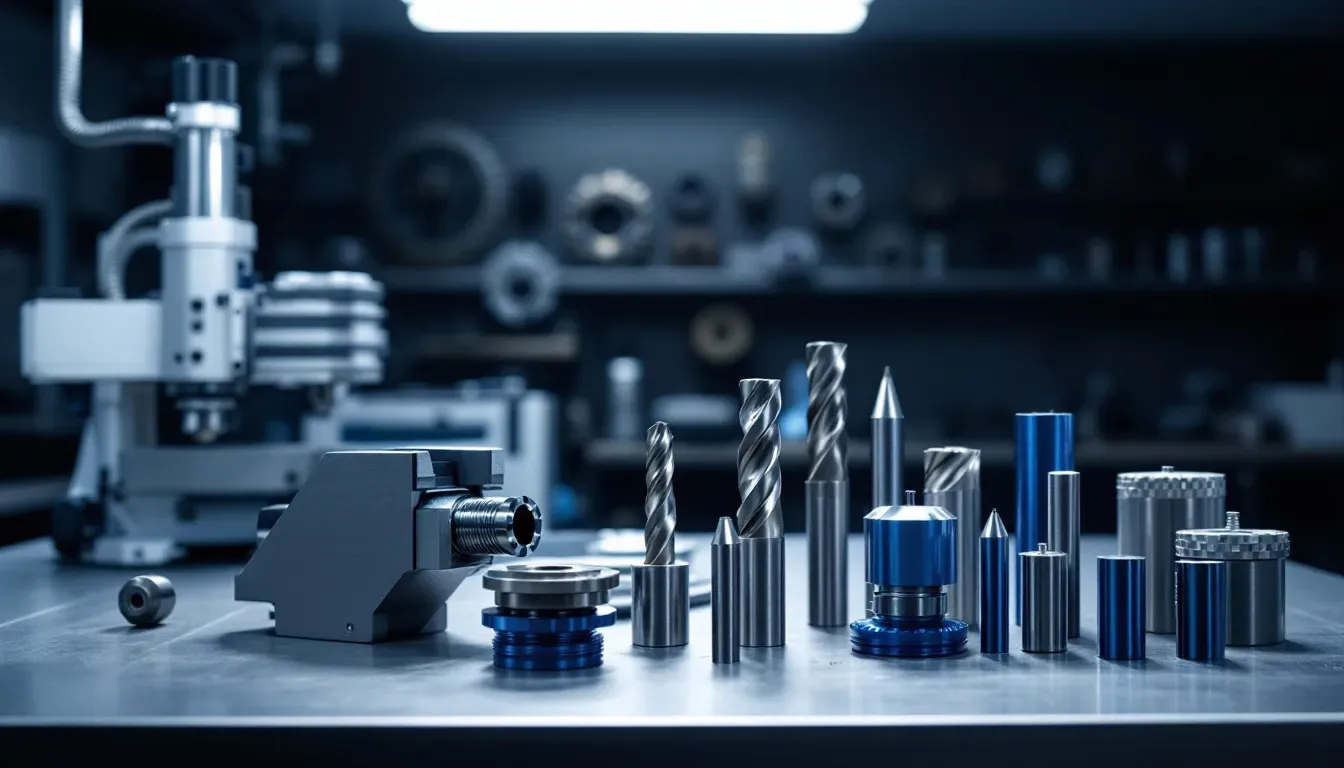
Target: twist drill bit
{"points": [[758, 517], [660, 598], [827, 486], [952, 481], [660, 506]]}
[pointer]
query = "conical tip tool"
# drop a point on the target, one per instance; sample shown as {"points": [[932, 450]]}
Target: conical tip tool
{"points": [[888, 405], [994, 527], [725, 533]]}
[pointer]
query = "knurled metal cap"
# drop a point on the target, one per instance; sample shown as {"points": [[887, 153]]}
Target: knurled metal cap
{"points": [[1167, 483], [1227, 544]]}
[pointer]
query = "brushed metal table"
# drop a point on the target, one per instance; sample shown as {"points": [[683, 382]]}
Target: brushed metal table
{"points": [[215, 680]]}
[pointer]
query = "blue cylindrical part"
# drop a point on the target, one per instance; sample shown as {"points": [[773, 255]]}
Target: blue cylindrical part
{"points": [[548, 640], [1121, 603], [994, 595], [1201, 610], [1043, 444], [911, 546]]}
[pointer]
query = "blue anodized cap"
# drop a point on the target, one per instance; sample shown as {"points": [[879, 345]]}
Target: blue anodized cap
{"points": [[911, 545]]}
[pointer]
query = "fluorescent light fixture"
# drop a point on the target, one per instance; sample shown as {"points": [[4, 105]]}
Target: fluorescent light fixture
{"points": [[684, 17]]}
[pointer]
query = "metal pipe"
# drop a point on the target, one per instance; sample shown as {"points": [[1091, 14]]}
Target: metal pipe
{"points": [[69, 117], [115, 246]]}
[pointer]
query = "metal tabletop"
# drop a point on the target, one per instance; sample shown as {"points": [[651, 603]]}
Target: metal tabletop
{"points": [[69, 661]]}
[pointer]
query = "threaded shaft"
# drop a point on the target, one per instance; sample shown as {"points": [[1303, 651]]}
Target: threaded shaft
{"points": [[1233, 520], [758, 474], [496, 525], [660, 506], [827, 445]]}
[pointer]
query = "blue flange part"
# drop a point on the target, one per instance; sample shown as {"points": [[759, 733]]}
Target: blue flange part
{"points": [[909, 639], [548, 642]]}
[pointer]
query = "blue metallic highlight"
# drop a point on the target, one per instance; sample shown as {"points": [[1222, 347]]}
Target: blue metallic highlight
{"points": [[1043, 444], [548, 641], [909, 638], [1201, 610], [911, 546], [1121, 604], [994, 595]]}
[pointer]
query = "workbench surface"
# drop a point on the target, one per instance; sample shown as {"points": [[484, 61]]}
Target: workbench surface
{"points": [[68, 659]]}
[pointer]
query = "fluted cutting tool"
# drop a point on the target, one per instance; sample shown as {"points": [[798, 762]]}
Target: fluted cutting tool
{"points": [[759, 519], [952, 481], [827, 486], [660, 597]]}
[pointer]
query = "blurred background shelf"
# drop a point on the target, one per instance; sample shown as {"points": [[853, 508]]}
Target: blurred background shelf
{"points": [[1137, 456]]}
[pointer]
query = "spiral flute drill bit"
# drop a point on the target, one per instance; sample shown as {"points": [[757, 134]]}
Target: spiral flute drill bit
{"points": [[952, 481], [660, 598], [827, 486], [758, 517]]}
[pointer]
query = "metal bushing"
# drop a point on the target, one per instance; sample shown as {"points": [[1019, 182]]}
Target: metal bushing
{"points": [[722, 334], [439, 193], [609, 216], [546, 616], [839, 201], [521, 283], [147, 600], [692, 200], [551, 587]]}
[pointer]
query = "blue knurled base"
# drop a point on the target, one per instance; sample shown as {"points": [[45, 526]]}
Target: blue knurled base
{"points": [[894, 637], [542, 642]]}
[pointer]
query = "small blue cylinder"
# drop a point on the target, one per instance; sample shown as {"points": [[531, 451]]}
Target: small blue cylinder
{"points": [[911, 546], [1201, 610], [993, 595], [1043, 444], [1121, 603]]}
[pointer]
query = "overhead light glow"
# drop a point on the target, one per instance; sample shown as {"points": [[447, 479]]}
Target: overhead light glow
{"points": [[683, 17]]}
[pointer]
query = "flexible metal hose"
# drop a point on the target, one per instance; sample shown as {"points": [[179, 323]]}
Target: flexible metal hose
{"points": [[70, 118], [118, 243]]}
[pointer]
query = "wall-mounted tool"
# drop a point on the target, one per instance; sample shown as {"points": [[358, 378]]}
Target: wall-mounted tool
{"points": [[839, 202], [1201, 609], [994, 586], [694, 247], [827, 487], [911, 555], [1121, 605], [1045, 586], [1150, 508], [1063, 531], [145, 601], [546, 617], [952, 481], [376, 541], [691, 200], [1255, 577], [755, 177], [759, 517], [1043, 444], [660, 587], [722, 334], [889, 245], [439, 193], [211, 334], [725, 592], [520, 283], [609, 216]]}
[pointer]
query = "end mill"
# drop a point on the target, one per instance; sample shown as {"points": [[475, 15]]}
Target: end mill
{"points": [[660, 598], [759, 520], [952, 481], [827, 486]]}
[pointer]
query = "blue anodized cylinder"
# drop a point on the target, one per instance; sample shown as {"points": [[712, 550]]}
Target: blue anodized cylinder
{"points": [[911, 546], [1201, 610], [1121, 606], [994, 594], [1043, 444]]}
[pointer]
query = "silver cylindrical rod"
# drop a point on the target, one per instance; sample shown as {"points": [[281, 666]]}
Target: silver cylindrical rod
{"points": [[660, 600], [759, 519], [827, 487], [888, 444], [1044, 607], [952, 481], [1064, 514], [725, 576]]}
